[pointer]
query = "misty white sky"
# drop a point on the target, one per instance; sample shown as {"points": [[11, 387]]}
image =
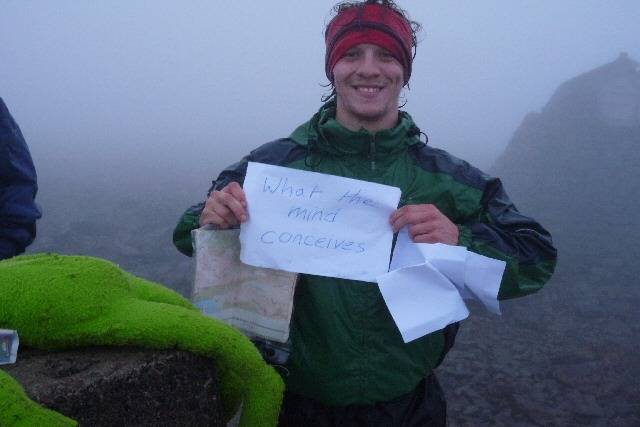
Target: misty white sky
{"points": [[166, 86]]}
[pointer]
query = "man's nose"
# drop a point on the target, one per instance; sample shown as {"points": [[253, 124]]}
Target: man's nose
{"points": [[369, 65]]}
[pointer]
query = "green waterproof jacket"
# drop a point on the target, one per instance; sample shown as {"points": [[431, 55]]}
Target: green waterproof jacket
{"points": [[346, 348]]}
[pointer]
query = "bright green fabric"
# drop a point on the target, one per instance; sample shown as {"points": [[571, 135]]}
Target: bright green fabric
{"points": [[17, 410], [58, 302], [190, 220]]}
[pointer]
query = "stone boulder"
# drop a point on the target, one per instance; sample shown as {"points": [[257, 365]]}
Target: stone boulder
{"points": [[122, 386]]}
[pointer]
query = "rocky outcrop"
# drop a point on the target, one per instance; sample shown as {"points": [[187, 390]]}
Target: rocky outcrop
{"points": [[122, 386], [606, 96], [566, 355], [576, 163]]}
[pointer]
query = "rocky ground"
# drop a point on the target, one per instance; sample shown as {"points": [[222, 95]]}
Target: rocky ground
{"points": [[559, 358], [108, 387]]}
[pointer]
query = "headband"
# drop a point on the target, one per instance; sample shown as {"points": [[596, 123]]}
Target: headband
{"points": [[369, 23]]}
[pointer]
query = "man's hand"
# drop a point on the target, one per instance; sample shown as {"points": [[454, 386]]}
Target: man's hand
{"points": [[225, 208], [426, 224]]}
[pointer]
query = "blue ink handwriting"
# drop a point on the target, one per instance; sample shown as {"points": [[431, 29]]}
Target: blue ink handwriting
{"points": [[357, 199], [270, 237], [312, 214], [284, 188]]}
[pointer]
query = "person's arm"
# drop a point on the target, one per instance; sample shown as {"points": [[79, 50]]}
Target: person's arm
{"points": [[225, 208], [191, 218], [182, 233], [18, 187], [499, 230], [490, 226], [279, 152]]}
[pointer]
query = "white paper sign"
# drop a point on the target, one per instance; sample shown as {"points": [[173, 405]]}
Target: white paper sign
{"points": [[313, 223]]}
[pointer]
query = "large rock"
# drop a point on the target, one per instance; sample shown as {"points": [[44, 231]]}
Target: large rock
{"points": [[122, 386], [566, 356], [575, 164]]}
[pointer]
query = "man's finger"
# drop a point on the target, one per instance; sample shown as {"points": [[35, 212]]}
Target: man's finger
{"points": [[426, 238], [220, 222], [399, 222], [407, 216], [226, 200], [400, 212], [208, 216], [421, 228], [413, 214], [237, 192], [448, 236]]}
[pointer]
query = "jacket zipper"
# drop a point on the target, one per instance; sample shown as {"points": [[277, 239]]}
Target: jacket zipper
{"points": [[372, 152]]}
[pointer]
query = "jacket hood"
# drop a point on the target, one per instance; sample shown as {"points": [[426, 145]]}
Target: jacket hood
{"points": [[324, 134]]}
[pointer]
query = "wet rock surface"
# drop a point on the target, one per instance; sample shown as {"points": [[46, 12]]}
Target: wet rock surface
{"points": [[122, 386], [547, 361]]}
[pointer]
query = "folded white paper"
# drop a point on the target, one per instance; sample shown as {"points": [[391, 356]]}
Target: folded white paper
{"points": [[482, 277], [421, 300], [447, 259], [425, 288]]}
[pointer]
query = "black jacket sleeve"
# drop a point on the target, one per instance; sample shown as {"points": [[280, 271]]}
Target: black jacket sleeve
{"points": [[18, 187], [501, 231], [279, 152]]}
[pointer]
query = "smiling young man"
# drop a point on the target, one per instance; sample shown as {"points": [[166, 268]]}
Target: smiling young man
{"points": [[349, 365], [368, 81]]}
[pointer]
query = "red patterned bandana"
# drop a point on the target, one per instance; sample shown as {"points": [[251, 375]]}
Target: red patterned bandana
{"points": [[369, 23]]}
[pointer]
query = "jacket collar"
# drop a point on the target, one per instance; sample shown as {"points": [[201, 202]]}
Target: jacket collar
{"points": [[325, 134]]}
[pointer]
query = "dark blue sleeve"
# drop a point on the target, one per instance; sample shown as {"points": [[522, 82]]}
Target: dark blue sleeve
{"points": [[18, 187]]}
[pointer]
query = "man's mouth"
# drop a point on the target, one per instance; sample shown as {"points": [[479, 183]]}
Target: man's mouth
{"points": [[368, 89]]}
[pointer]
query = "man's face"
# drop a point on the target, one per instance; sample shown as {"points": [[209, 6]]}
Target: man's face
{"points": [[368, 81]]}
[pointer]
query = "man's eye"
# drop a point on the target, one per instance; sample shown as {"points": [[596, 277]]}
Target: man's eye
{"points": [[386, 56], [352, 54]]}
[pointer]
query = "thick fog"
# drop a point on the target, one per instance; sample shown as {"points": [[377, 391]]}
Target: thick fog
{"points": [[166, 92], [130, 108]]}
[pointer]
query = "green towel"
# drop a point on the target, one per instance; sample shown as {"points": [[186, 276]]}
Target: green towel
{"points": [[59, 302]]}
